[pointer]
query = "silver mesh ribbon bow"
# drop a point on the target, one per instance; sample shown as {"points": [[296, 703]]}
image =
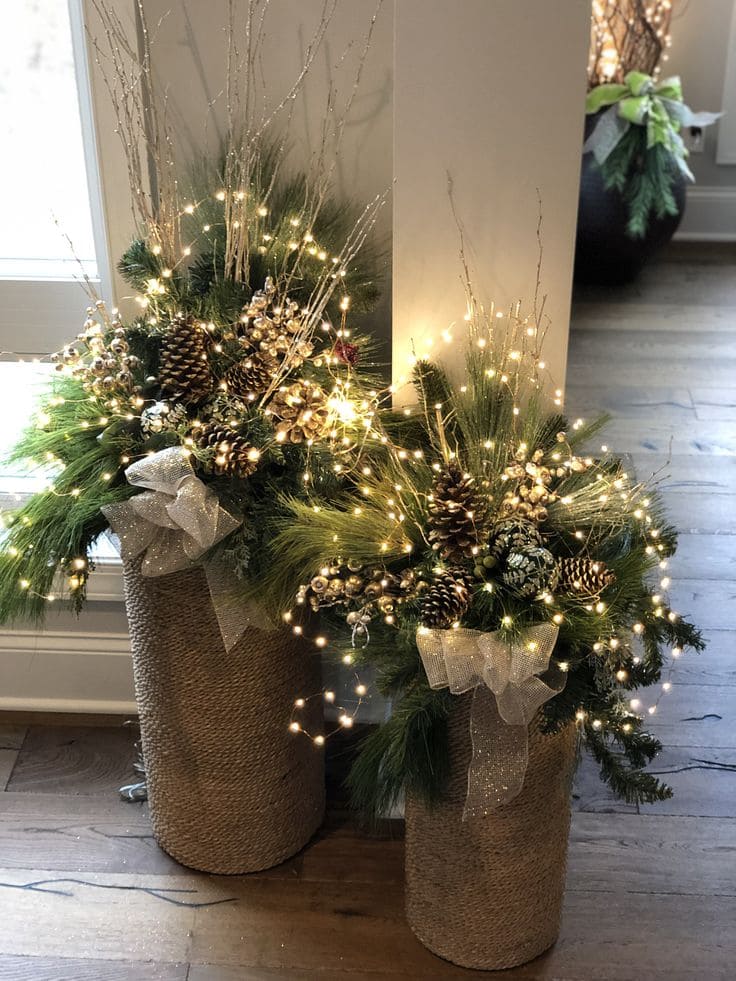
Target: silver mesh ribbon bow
{"points": [[507, 692], [174, 522]]}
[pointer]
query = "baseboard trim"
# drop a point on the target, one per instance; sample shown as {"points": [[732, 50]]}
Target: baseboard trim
{"points": [[57, 671], [68, 706], [710, 215], [38, 642]]}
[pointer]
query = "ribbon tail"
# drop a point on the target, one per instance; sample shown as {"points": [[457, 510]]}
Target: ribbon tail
{"points": [[499, 759], [608, 132], [234, 614]]}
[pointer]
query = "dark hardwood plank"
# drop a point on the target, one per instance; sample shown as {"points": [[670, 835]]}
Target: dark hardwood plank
{"points": [[638, 937], [711, 604], [334, 857], [705, 558], [219, 972], [8, 759], [104, 915], [662, 405], [634, 315], [699, 372], [652, 853], [78, 969], [11, 736], [627, 347], [698, 791], [677, 472], [72, 833], [702, 512], [87, 761], [695, 715], [672, 283], [717, 404], [715, 666], [645, 436]]}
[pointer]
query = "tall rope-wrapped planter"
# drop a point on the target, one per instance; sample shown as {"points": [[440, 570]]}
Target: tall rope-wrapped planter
{"points": [[487, 893], [230, 789]]}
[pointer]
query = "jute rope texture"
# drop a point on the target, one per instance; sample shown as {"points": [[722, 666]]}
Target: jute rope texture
{"points": [[487, 893], [231, 790]]}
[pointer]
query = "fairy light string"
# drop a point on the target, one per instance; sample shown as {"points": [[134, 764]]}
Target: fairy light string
{"points": [[511, 355]]}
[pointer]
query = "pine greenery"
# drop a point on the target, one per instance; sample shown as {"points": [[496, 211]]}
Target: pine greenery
{"points": [[644, 177], [92, 424], [620, 522]]}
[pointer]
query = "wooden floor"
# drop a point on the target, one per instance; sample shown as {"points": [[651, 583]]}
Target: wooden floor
{"points": [[85, 895]]}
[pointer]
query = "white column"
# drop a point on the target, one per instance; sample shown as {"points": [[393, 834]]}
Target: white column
{"points": [[493, 92]]}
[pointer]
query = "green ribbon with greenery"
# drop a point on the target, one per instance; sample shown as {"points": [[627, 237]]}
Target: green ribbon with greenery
{"points": [[642, 101]]}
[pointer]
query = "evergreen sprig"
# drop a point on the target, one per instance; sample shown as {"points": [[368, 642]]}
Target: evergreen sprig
{"points": [[645, 178]]}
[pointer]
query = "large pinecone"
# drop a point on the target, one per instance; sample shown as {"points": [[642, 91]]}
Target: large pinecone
{"points": [[584, 577], [512, 534], [233, 456], [457, 515], [184, 371], [530, 571], [302, 412], [447, 598], [250, 377]]}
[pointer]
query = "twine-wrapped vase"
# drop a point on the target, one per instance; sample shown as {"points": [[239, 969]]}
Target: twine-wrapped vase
{"points": [[230, 789], [486, 893]]}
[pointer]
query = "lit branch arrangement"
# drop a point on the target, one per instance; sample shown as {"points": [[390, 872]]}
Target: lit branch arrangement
{"points": [[635, 172], [509, 589], [241, 356], [239, 380]]}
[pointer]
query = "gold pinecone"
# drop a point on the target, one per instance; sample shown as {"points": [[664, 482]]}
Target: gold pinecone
{"points": [[447, 598], [457, 515], [250, 377], [584, 577], [302, 412], [184, 371], [233, 455], [270, 325]]}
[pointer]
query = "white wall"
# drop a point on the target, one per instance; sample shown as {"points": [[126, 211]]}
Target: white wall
{"points": [[494, 93], [701, 38]]}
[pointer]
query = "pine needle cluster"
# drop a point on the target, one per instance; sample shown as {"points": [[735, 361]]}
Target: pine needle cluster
{"points": [[645, 178], [125, 390]]}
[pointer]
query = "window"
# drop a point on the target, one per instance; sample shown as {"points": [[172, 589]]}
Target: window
{"points": [[49, 189], [43, 179]]}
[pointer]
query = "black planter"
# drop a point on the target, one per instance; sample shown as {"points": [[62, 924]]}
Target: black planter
{"points": [[604, 252]]}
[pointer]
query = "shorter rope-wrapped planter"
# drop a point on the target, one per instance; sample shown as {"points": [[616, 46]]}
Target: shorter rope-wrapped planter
{"points": [[230, 789], [486, 893]]}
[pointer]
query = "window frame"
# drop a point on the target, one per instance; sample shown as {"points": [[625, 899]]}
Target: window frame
{"points": [[38, 314]]}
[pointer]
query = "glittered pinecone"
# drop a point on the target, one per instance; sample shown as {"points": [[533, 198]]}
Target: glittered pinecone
{"points": [[530, 571], [162, 417], [457, 514], [233, 455], [510, 535], [302, 412], [447, 599], [250, 377], [273, 327], [584, 577], [184, 371]]}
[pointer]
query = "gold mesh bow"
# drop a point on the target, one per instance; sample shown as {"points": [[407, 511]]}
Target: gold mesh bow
{"points": [[174, 523], [508, 689]]}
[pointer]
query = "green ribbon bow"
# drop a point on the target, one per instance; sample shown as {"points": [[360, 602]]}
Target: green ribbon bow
{"points": [[641, 101]]}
